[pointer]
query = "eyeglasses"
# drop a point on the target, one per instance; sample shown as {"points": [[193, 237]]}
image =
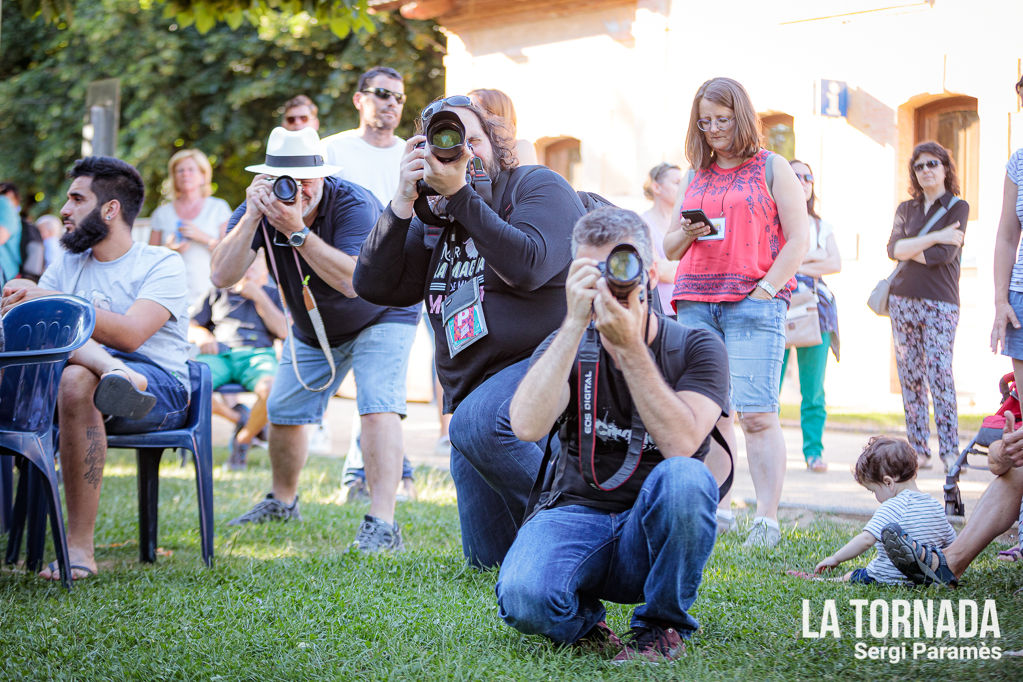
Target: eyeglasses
{"points": [[435, 106], [384, 93], [723, 123], [292, 120], [933, 163], [805, 177]]}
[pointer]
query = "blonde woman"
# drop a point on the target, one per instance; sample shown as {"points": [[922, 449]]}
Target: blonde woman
{"points": [[193, 222]]}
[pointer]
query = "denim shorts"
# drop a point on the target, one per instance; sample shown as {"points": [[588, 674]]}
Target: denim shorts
{"points": [[379, 358], [754, 334], [1013, 346], [171, 408]]}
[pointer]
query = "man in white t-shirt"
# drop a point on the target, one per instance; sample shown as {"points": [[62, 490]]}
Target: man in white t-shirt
{"points": [[370, 154], [132, 375]]}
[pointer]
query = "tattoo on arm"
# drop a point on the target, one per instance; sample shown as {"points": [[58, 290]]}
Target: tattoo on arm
{"points": [[95, 455]]}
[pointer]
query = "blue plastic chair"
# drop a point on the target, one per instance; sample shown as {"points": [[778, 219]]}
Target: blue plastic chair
{"points": [[196, 436], [40, 335]]}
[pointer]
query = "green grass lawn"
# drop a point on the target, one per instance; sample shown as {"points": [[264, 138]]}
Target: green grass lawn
{"points": [[289, 602]]}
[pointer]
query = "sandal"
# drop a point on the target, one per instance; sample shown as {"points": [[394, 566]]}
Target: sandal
{"points": [[817, 465], [116, 396], [1013, 554], [54, 569], [914, 559]]}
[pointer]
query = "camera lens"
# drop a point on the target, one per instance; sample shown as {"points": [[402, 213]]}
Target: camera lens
{"points": [[446, 136], [446, 139], [623, 270], [286, 189]]}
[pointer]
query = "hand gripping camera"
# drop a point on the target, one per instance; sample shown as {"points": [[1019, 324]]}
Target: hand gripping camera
{"points": [[445, 139]]}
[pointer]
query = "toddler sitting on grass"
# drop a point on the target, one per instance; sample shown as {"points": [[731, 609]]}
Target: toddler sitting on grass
{"points": [[887, 467]]}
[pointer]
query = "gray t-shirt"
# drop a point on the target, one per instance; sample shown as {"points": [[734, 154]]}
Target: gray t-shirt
{"points": [[921, 517], [154, 273]]}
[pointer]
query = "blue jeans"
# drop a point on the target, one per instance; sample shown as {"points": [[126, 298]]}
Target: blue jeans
{"points": [[493, 470], [566, 559]]}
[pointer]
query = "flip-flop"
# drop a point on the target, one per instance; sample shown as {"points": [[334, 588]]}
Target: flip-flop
{"points": [[1013, 554], [55, 567], [914, 558], [117, 396]]}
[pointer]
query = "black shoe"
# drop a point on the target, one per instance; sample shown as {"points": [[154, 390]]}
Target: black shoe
{"points": [[269, 509]]}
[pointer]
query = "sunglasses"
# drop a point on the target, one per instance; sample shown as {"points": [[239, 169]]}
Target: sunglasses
{"points": [[384, 93], [933, 163], [453, 101], [292, 120], [805, 177]]}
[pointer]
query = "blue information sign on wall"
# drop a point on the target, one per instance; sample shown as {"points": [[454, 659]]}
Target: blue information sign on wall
{"points": [[834, 98]]}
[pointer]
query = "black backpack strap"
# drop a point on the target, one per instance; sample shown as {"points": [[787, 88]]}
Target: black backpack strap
{"points": [[510, 181], [541, 476], [719, 438]]}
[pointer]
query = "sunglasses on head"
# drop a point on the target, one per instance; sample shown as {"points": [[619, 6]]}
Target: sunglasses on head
{"points": [[384, 93], [933, 163], [453, 101]]}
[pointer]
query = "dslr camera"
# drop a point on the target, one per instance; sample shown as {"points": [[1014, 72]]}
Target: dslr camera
{"points": [[623, 271]]}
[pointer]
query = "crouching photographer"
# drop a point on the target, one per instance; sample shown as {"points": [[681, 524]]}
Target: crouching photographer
{"points": [[628, 512]]}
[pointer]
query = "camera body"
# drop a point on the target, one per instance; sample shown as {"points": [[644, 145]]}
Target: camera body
{"points": [[285, 189], [623, 270]]}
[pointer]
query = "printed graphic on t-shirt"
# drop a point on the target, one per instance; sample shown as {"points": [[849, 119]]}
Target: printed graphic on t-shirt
{"points": [[608, 432], [458, 263]]}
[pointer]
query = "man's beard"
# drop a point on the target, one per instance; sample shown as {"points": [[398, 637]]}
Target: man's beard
{"points": [[90, 230]]}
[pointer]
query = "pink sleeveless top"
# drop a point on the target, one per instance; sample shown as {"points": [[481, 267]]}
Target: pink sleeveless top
{"points": [[728, 270]]}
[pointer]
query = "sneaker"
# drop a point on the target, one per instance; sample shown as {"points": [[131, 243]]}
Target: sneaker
{"points": [[651, 644], [378, 536], [238, 459], [763, 534], [269, 509], [599, 639], [358, 491], [726, 521]]}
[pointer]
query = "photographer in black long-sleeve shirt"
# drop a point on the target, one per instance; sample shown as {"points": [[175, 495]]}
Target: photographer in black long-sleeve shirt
{"points": [[493, 281]]}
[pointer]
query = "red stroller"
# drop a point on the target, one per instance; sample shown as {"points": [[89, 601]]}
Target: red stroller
{"points": [[990, 430]]}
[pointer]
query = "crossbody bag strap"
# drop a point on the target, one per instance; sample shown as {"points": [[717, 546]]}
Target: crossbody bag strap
{"points": [[926, 228], [311, 309]]}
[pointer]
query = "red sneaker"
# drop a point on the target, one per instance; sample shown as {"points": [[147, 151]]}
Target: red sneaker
{"points": [[599, 639], [651, 644]]}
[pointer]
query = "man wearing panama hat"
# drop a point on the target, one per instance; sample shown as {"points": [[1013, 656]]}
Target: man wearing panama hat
{"points": [[313, 226]]}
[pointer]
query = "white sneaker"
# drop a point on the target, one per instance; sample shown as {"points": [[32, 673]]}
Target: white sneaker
{"points": [[319, 440], [763, 534]]}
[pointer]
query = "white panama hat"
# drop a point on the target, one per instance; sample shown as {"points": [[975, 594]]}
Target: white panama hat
{"points": [[298, 153]]}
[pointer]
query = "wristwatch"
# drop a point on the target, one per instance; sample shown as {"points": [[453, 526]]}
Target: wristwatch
{"points": [[298, 238], [765, 285]]}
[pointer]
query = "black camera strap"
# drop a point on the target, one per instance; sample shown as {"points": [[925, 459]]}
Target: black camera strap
{"points": [[589, 371]]}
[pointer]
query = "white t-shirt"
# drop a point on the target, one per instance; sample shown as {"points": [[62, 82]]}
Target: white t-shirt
{"points": [[375, 168], [154, 273], [214, 213], [921, 517], [1014, 169]]}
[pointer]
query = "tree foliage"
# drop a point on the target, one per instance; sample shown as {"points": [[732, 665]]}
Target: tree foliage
{"points": [[340, 16], [220, 92]]}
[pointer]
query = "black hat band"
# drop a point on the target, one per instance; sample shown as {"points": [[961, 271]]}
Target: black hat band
{"points": [[294, 161]]}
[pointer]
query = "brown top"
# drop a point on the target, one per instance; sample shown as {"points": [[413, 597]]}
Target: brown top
{"points": [[938, 280]]}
